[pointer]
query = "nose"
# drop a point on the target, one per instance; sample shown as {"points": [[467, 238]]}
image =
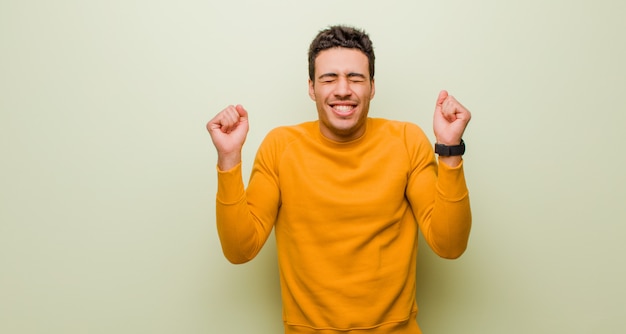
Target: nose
{"points": [[342, 88]]}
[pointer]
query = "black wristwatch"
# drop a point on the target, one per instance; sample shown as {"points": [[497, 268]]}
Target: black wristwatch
{"points": [[446, 151]]}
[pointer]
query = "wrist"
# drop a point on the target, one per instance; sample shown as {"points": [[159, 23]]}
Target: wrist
{"points": [[451, 161], [448, 142], [228, 161]]}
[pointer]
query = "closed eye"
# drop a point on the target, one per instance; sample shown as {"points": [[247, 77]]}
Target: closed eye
{"points": [[328, 77], [356, 77]]}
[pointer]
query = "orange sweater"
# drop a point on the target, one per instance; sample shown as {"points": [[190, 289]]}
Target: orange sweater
{"points": [[346, 219]]}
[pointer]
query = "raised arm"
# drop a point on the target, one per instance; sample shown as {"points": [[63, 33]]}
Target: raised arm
{"points": [[238, 236], [438, 192]]}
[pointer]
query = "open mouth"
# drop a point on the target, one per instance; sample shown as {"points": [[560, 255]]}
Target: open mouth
{"points": [[343, 109]]}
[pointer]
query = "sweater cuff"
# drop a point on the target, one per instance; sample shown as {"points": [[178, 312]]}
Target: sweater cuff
{"points": [[451, 182], [230, 187]]}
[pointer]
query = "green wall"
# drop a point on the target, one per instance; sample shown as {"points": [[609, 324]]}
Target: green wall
{"points": [[107, 175]]}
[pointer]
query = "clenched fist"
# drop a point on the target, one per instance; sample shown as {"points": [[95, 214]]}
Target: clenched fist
{"points": [[228, 130], [449, 123]]}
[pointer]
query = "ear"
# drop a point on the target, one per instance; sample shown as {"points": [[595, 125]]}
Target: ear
{"points": [[373, 89], [311, 90]]}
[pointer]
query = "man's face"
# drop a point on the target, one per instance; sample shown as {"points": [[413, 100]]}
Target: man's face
{"points": [[342, 91]]}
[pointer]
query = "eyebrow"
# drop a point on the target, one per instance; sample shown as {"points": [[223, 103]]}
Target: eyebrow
{"points": [[359, 75], [328, 75]]}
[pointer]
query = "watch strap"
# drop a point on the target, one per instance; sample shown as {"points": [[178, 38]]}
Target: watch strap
{"points": [[446, 151]]}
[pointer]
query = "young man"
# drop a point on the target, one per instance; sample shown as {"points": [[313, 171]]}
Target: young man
{"points": [[346, 195]]}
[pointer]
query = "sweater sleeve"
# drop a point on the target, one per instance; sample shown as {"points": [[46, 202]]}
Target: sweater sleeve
{"points": [[439, 198], [245, 217]]}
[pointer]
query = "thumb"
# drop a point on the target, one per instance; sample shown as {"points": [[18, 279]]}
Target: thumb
{"points": [[243, 113], [443, 95]]}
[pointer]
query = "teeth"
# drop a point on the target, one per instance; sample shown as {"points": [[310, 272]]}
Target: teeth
{"points": [[343, 108]]}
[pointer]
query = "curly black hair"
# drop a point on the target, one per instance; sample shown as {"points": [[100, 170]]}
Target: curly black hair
{"points": [[344, 37]]}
